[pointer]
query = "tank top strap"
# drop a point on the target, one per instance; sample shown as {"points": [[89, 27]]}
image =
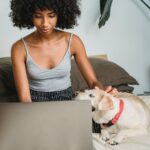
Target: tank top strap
{"points": [[70, 39], [25, 45]]}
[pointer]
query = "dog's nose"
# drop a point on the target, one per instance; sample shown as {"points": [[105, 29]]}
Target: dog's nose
{"points": [[76, 93], [93, 108]]}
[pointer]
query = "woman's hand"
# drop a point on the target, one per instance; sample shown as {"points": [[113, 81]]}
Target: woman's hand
{"points": [[111, 90]]}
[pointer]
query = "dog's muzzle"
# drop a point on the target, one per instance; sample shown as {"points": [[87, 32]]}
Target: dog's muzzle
{"points": [[93, 108]]}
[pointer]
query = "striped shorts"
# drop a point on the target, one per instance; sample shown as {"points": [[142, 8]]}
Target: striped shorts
{"points": [[38, 96], [63, 95]]}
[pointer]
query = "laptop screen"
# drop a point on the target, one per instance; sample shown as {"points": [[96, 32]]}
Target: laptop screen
{"points": [[65, 125]]}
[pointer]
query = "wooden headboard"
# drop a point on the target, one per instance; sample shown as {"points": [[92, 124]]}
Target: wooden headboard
{"points": [[103, 56]]}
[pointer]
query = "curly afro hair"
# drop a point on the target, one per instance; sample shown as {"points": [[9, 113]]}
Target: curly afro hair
{"points": [[22, 12]]}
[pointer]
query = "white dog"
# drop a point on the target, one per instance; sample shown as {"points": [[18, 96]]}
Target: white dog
{"points": [[120, 117]]}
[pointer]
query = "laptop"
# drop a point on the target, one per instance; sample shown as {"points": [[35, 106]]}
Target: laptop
{"points": [[65, 125]]}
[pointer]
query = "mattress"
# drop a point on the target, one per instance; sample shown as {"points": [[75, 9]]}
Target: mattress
{"points": [[132, 143]]}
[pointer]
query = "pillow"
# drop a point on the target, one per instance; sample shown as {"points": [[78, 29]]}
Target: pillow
{"points": [[2, 88], [6, 75], [107, 72], [124, 88]]}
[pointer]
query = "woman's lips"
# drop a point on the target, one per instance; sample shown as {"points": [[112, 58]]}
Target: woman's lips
{"points": [[45, 30]]}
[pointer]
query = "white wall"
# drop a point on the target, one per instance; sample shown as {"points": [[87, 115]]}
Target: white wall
{"points": [[125, 37]]}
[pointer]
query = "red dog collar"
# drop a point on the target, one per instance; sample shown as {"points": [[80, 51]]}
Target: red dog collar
{"points": [[116, 117]]}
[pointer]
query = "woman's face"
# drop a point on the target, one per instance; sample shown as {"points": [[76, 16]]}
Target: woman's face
{"points": [[45, 21]]}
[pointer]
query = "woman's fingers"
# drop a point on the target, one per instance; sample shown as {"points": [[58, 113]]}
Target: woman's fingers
{"points": [[112, 91], [108, 89]]}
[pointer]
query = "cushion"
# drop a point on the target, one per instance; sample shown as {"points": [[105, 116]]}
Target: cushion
{"points": [[6, 75], [107, 72], [2, 88], [124, 88]]}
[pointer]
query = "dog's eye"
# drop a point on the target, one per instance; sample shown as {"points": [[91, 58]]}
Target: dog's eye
{"points": [[91, 95]]}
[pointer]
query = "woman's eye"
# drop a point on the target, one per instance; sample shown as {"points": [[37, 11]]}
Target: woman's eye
{"points": [[52, 16], [37, 16], [91, 95]]}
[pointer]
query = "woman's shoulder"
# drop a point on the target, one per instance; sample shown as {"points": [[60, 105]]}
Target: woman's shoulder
{"points": [[76, 41], [18, 48], [17, 45], [77, 45]]}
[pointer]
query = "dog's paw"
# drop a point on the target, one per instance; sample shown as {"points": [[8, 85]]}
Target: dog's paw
{"points": [[114, 141], [105, 136]]}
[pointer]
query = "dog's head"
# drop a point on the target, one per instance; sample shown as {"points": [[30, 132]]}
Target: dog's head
{"points": [[100, 99]]}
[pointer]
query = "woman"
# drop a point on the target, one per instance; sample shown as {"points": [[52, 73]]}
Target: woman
{"points": [[42, 60]]}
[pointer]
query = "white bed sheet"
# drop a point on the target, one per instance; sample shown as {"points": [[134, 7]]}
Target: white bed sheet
{"points": [[134, 143]]}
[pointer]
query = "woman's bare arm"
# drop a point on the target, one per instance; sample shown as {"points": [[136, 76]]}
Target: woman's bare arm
{"points": [[79, 53], [18, 56]]}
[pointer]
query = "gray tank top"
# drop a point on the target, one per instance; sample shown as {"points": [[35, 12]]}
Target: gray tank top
{"points": [[48, 80]]}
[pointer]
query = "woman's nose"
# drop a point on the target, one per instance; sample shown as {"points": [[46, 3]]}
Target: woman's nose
{"points": [[45, 22]]}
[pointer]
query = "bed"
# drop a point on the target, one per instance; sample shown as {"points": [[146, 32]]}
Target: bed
{"points": [[107, 72]]}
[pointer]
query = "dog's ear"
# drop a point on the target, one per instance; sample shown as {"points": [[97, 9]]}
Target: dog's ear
{"points": [[100, 91], [106, 103], [97, 88]]}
